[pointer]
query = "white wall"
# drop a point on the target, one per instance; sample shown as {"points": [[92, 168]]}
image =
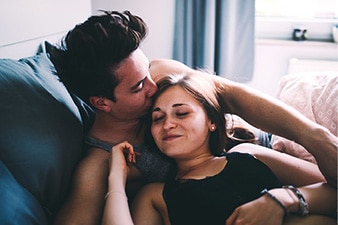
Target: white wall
{"points": [[28, 23], [159, 16], [272, 59]]}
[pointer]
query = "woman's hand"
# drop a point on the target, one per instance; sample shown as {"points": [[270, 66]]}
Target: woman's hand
{"points": [[116, 209], [122, 157]]}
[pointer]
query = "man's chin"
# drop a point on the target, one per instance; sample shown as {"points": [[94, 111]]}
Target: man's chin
{"points": [[146, 114], [148, 109]]}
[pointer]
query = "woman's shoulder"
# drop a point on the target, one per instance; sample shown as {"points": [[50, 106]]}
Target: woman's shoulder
{"points": [[234, 155], [245, 159]]}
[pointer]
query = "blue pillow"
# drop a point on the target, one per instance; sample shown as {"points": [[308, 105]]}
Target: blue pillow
{"points": [[18, 206], [42, 126]]}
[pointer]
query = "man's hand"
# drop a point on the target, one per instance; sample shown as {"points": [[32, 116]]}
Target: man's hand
{"points": [[262, 211]]}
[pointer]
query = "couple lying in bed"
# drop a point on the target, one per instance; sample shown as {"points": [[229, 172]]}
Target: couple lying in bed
{"points": [[121, 91]]}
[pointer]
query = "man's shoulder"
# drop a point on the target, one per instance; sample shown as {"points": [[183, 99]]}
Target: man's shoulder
{"points": [[159, 68]]}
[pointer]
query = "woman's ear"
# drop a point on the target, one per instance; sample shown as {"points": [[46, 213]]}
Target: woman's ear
{"points": [[99, 103]]}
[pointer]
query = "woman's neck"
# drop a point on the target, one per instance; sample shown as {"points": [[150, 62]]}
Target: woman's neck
{"points": [[200, 167]]}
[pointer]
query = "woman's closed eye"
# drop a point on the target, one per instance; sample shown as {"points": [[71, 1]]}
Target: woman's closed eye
{"points": [[160, 117], [181, 114], [157, 118], [157, 115]]}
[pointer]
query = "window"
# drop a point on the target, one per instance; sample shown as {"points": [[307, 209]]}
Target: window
{"points": [[276, 19]]}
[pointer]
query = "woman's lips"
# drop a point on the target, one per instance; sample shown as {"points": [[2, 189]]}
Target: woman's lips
{"points": [[170, 137]]}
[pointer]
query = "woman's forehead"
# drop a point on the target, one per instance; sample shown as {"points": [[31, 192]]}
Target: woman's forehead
{"points": [[175, 95]]}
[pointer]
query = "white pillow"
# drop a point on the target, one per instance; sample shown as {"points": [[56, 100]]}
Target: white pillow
{"points": [[315, 95]]}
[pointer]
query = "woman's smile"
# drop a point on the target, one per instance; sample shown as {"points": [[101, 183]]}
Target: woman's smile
{"points": [[171, 137]]}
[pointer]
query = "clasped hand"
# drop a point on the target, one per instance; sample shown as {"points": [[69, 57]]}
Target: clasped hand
{"points": [[122, 157], [261, 211]]}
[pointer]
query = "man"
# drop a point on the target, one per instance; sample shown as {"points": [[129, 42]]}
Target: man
{"points": [[101, 62]]}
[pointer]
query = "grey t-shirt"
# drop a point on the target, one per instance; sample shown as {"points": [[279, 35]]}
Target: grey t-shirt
{"points": [[154, 166]]}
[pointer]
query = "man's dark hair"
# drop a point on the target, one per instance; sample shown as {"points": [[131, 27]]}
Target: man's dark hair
{"points": [[89, 53]]}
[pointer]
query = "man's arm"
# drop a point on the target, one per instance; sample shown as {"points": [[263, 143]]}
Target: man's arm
{"points": [[274, 116], [160, 68], [86, 201], [320, 197], [149, 206]]}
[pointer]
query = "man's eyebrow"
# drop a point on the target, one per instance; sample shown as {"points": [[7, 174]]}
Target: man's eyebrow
{"points": [[137, 84]]}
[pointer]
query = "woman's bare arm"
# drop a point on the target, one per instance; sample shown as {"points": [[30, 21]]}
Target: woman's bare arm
{"points": [[116, 210]]}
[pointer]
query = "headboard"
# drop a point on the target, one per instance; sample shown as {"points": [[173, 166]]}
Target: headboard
{"points": [[26, 24]]}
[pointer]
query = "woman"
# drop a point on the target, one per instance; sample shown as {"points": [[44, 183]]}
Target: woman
{"points": [[208, 184]]}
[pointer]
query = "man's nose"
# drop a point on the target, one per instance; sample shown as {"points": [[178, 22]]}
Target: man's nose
{"points": [[152, 87]]}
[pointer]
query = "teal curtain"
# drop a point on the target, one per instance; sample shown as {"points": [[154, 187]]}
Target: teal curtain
{"points": [[216, 35]]}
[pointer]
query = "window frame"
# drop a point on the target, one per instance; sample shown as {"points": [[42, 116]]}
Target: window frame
{"points": [[282, 28]]}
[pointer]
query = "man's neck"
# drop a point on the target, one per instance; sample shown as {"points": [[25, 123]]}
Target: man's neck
{"points": [[112, 131]]}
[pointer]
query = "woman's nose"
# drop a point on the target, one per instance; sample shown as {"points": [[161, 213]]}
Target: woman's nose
{"points": [[169, 124]]}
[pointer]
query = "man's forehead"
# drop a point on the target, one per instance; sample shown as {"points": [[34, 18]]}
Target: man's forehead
{"points": [[128, 80], [133, 69]]}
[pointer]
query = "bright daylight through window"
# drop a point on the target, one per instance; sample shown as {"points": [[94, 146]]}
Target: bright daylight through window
{"points": [[276, 19]]}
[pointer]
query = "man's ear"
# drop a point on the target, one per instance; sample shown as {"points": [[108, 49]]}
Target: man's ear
{"points": [[99, 103]]}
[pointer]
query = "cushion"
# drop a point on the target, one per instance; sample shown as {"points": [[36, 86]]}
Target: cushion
{"points": [[42, 127], [315, 96], [18, 206]]}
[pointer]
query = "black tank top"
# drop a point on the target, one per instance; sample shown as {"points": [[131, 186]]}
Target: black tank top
{"points": [[211, 201]]}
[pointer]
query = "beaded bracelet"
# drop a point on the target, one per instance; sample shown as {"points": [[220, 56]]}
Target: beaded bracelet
{"points": [[286, 211], [303, 206]]}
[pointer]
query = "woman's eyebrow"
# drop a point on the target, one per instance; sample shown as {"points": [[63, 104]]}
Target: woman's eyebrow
{"points": [[156, 109], [178, 104], [174, 105]]}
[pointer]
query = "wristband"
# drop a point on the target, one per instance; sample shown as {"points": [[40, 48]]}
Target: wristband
{"points": [[303, 206], [286, 211]]}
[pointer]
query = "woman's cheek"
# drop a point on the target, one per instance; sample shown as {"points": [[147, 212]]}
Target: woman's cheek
{"points": [[155, 133], [153, 129]]}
